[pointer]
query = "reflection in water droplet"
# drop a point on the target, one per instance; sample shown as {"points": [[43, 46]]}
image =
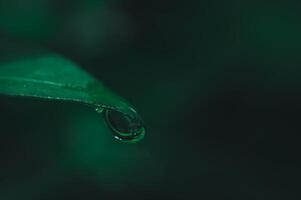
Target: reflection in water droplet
{"points": [[125, 127]]}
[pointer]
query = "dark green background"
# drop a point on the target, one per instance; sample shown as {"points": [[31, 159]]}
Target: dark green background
{"points": [[217, 83]]}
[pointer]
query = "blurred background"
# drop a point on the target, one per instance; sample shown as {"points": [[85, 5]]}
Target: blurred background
{"points": [[217, 83]]}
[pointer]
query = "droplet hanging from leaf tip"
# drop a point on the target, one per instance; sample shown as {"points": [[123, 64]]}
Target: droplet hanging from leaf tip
{"points": [[124, 127]]}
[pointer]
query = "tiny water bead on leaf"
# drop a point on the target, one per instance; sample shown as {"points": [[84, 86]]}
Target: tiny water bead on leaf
{"points": [[125, 127]]}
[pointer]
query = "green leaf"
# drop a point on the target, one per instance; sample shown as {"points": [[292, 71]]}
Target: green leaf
{"points": [[49, 76]]}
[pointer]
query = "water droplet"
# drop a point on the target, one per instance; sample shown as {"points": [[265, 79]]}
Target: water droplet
{"points": [[125, 127], [99, 110]]}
